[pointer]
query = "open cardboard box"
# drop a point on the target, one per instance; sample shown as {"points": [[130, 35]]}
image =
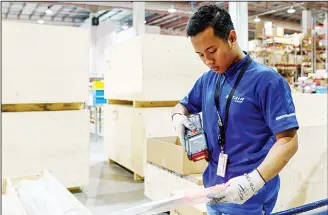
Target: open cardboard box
{"points": [[168, 153], [194, 210]]}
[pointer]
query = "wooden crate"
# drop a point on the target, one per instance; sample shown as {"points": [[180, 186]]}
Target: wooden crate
{"points": [[311, 109], [151, 75], [15, 205], [304, 179], [56, 140], [126, 130], [39, 70], [161, 183]]}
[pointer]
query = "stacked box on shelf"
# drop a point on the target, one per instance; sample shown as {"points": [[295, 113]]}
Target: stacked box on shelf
{"points": [[45, 83], [157, 80]]}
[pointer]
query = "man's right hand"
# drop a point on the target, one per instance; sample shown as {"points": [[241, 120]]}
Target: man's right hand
{"points": [[180, 123]]}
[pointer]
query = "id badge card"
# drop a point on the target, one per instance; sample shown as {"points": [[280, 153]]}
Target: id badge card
{"points": [[222, 164]]}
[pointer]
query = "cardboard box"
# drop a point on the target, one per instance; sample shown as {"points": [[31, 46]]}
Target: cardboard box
{"points": [[196, 210], [168, 153]]}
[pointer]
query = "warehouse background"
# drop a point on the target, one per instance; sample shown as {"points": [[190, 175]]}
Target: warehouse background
{"points": [[88, 88]]}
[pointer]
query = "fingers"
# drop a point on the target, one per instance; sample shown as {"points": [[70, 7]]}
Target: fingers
{"points": [[221, 194], [186, 122], [181, 137]]}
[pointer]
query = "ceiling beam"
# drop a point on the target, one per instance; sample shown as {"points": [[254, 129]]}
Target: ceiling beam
{"points": [[176, 22], [165, 18], [62, 23]]}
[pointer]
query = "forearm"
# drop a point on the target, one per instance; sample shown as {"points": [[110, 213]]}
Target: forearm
{"points": [[279, 155], [179, 108]]}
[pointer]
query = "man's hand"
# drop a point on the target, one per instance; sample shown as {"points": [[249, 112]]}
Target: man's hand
{"points": [[180, 122], [239, 189]]}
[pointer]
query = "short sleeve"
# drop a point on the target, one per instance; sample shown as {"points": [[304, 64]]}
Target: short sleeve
{"points": [[277, 106], [193, 100]]}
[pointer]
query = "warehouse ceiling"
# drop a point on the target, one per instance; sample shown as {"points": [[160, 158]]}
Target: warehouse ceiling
{"points": [[157, 14]]}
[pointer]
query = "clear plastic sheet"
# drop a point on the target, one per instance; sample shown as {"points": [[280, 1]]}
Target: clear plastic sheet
{"points": [[46, 196], [178, 200]]}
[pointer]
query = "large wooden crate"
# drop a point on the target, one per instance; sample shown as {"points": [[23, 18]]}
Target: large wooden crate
{"points": [[304, 179], [54, 140], [151, 68], [14, 203], [161, 183], [311, 109], [44, 64], [126, 129]]}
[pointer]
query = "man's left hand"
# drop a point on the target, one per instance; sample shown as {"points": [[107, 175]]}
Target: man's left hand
{"points": [[239, 189]]}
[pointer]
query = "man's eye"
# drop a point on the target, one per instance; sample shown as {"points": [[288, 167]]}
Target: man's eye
{"points": [[213, 51]]}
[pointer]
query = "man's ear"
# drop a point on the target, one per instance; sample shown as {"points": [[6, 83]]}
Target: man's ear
{"points": [[232, 39]]}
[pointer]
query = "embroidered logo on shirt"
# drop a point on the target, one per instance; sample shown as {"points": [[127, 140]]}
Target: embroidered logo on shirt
{"points": [[237, 99], [284, 116]]}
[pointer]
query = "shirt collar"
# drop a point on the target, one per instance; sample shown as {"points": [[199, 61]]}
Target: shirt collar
{"points": [[236, 66]]}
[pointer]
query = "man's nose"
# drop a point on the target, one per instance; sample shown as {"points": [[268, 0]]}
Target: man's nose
{"points": [[209, 61]]}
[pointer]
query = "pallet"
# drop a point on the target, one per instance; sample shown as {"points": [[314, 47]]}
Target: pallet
{"points": [[4, 185], [74, 189], [41, 107], [136, 177], [143, 104]]}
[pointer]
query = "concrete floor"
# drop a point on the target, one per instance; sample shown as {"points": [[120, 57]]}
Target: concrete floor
{"points": [[111, 188]]}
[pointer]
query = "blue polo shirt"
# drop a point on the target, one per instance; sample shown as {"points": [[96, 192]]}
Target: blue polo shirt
{"points": [[262, 107]]}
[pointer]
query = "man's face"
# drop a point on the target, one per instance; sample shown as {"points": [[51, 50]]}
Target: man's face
{"points": [[213, 51]]}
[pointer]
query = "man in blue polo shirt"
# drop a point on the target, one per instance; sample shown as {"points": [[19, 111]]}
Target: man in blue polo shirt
{"points": [[248, 116]]}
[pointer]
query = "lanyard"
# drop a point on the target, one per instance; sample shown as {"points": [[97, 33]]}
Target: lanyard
{"points": [[222, 126]]}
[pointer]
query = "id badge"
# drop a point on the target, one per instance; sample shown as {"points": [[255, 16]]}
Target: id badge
{"points": [[222, 164]]}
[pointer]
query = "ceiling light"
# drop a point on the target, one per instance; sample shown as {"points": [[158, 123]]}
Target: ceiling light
{"points": [[172, 9], [48, 11], [145, 21], [124, 27], [40, 21], [291, 10], [257, 19]]}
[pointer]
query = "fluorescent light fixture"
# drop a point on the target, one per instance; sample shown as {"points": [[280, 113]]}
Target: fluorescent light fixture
{"points": [[172, 9], [124, 27], [48, 11], [257, 19], [291, 10], [40, 21]]}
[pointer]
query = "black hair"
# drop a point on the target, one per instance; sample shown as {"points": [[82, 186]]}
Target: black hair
{"points": [[210, 16]]}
